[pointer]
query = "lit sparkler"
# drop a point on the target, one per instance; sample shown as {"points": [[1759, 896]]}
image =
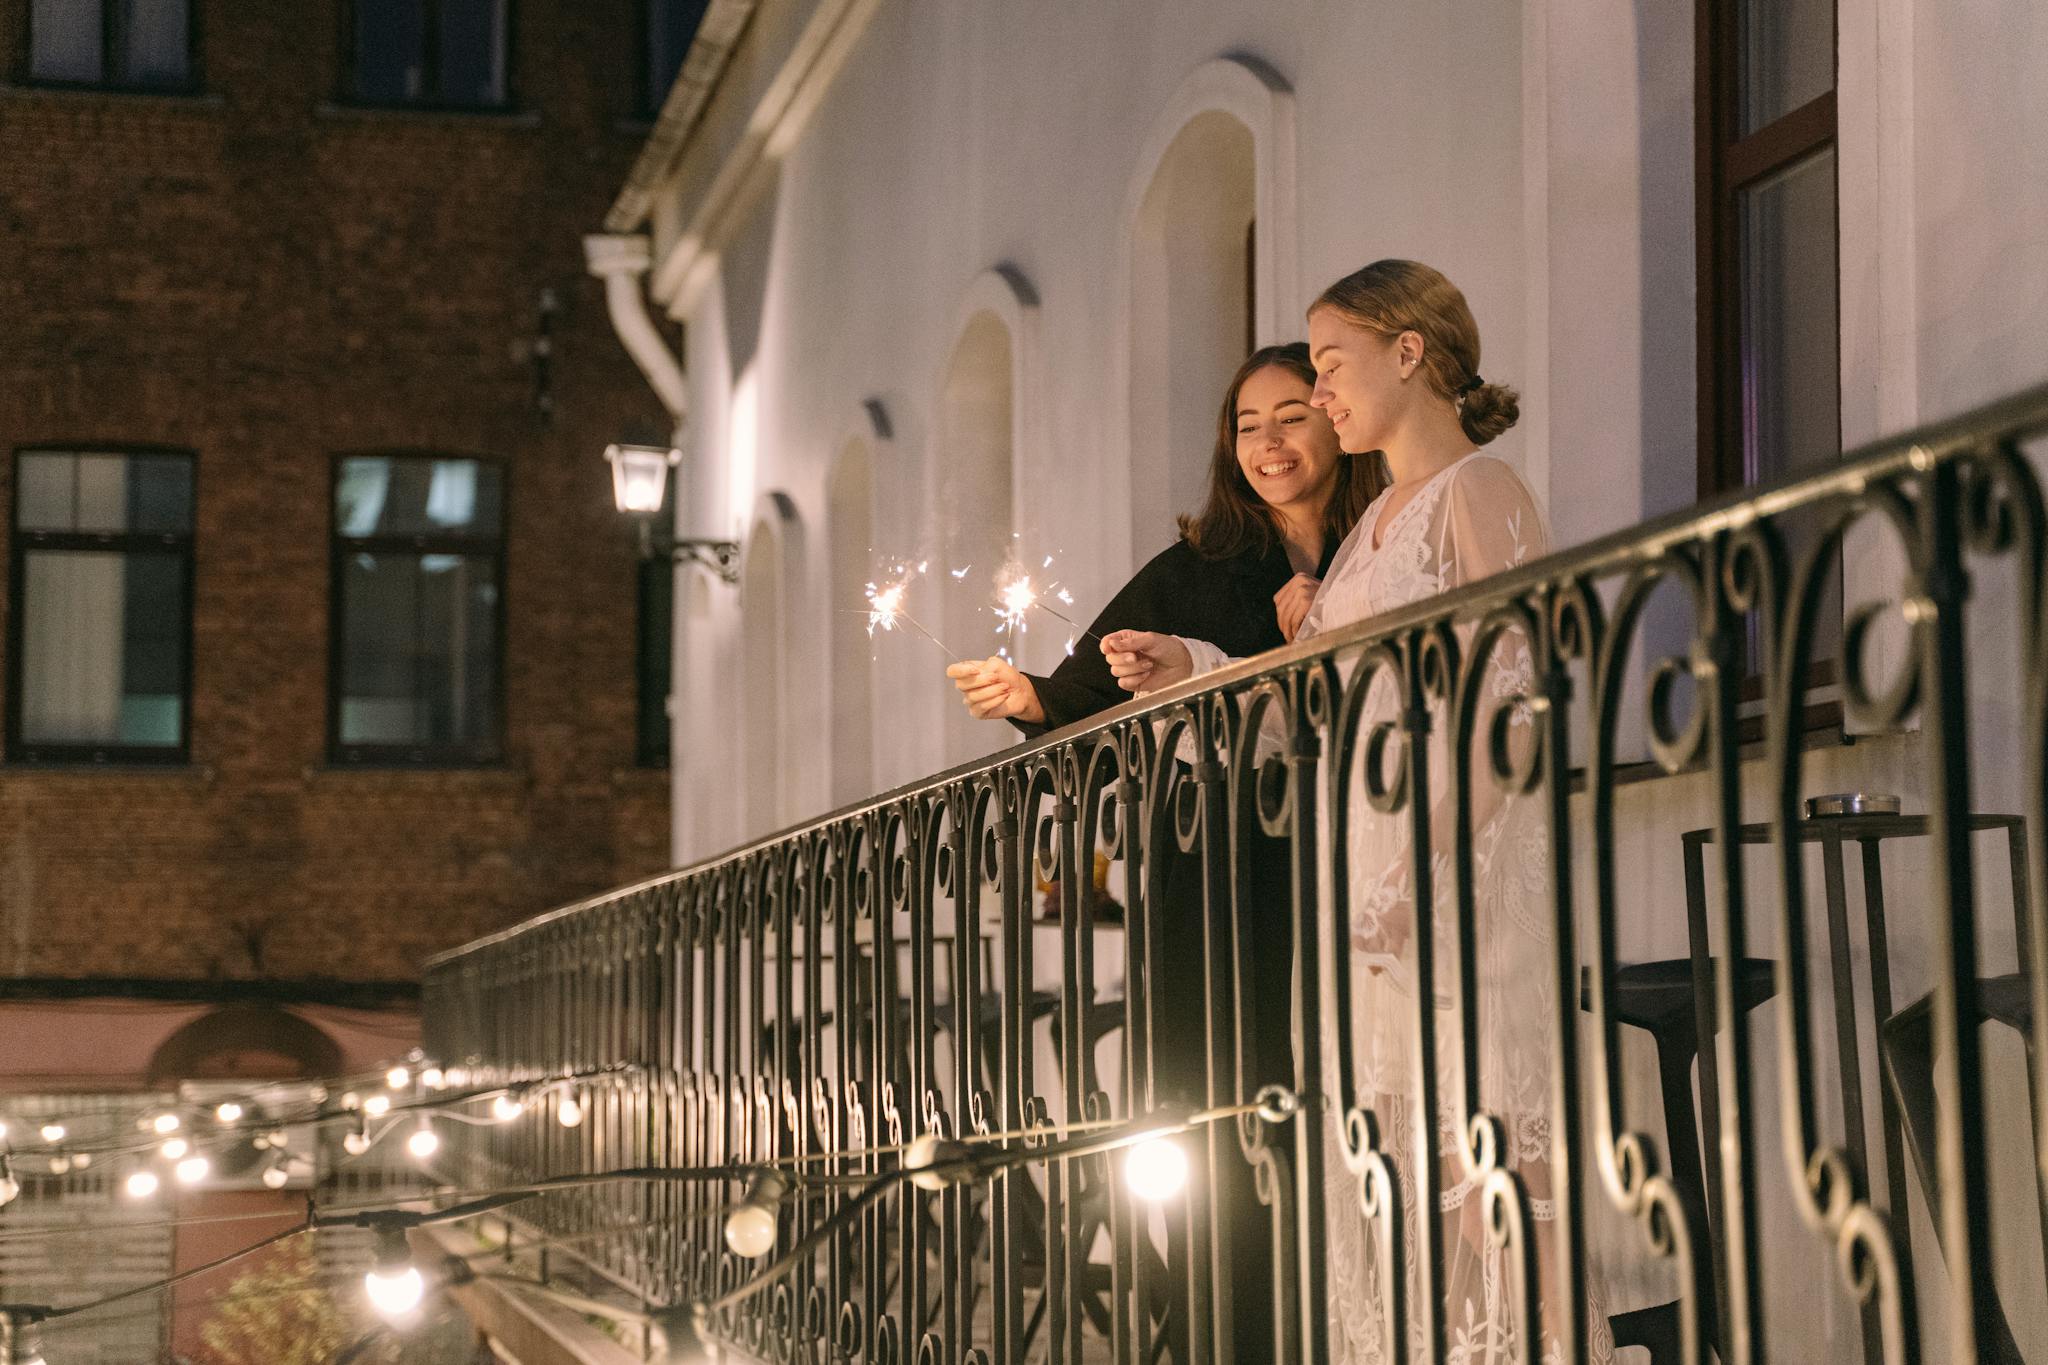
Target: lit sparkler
{"points": [[885, 608], [1016, 595]]}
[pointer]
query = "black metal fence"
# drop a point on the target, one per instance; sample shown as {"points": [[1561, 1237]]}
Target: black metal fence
{"points": [[945, 960]]}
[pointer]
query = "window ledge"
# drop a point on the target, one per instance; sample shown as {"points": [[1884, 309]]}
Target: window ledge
{"points": [[427, 113], [139, 96], [453, 776], [202, 773]]}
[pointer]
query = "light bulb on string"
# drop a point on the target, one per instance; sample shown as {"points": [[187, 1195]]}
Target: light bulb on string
{"points": [[377, 1106], [424, 1142], [54, 1132], [81, 1160], [10, 1187], [141, 1184], [351, 1100], [60, 1164], [1156, 1169], [569, 1113], [317, 1094], [3, 1130], [433, 1078], [355, 1142], [193, 1169], [398, 1078], [261, 1142], [275, 1176], [276, 1136], [507, 1107], [228, 1112], [174, 1149], [165, 1123], [394, 1284], [750, 1228], [21, 1336]]}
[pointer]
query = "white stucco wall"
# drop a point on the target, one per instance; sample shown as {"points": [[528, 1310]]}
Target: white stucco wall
{"points": [[1540, 155]]}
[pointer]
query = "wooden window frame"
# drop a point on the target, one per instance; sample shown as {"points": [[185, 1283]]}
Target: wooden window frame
{"points": [[487, 753], [1726, 162], [110, 60], [21, 542]]}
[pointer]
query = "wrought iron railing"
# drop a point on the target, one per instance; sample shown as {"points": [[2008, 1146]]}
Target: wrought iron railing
{"points": [[821, 997]]}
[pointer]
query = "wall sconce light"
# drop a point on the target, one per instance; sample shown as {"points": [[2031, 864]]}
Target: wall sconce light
{"points": [[640, 486]]}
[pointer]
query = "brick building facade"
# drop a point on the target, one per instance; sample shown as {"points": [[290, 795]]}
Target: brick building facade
{"points": [[259, 269]]}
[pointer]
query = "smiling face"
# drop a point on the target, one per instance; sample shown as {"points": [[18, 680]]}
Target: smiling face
{"points": [[1361, 379], [1285, 447]]}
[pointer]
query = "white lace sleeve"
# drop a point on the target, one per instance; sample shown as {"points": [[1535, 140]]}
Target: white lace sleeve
{"points": [[1207, 658]]}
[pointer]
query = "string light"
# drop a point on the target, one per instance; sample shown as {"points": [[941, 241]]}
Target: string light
{"points": [[507, 1107], [355, 1142], [10, 1188], [165, 1123], [229, 1112], [394, 1283], [140, 1184], [377, 1106], [193, 1169], [53, 1132], [433, 1078], [275, 1176], [750, 1228], [174, 1149], [569, 1113], [424, 1142], [60, 1164], [81, 1160], [21, 1337], [398, 1078], [1156, 1169]]}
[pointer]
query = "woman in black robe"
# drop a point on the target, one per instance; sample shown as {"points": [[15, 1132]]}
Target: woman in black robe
{"points": [[1282, 497]]}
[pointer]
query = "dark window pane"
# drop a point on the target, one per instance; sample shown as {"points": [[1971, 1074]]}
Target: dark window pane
{"points": [[671, 28], [472, 52], [103, 649], [378, 495], [657, 594], [156, 38], [390, 51], [1790, 368], [67, 491], [1787, 55], [66, 40], [419, 651]]}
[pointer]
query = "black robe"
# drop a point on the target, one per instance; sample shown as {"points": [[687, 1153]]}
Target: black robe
{"points": [[1229, 603]]}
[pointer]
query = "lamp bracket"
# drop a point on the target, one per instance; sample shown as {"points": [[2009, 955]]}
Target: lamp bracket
{"points": [[721, 557]]}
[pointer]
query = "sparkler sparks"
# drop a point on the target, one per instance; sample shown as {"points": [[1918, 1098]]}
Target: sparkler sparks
{"points": [[1016, 595], [885, 606]]}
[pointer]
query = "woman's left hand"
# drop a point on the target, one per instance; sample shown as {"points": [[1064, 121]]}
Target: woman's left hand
{"points": [[1292, 602]]}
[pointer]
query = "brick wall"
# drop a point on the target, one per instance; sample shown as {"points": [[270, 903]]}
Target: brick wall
{"points": [[268, 279]]}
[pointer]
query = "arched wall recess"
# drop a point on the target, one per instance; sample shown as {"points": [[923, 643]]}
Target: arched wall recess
{"points": [[771, 566], [850, 532], [983, 432], [1209, 273]]}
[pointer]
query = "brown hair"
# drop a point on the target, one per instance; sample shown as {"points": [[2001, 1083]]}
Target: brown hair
{"points": [[1234, 518], [1390, 297]]}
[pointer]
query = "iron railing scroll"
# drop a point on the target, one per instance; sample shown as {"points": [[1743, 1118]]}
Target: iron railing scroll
{"points": [[940, 962]]}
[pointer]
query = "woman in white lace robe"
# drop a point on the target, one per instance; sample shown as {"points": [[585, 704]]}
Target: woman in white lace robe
{"points": [[1397, 355]]}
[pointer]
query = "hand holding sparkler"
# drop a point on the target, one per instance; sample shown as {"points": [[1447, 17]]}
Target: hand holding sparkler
{"points": [[1146, 661], [993, 689]]}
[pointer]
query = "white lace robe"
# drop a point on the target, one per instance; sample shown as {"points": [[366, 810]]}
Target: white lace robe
{"points": [[1472, 519]]}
